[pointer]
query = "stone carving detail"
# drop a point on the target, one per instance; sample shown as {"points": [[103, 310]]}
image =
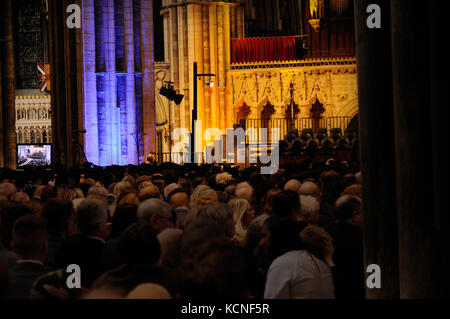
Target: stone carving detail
{"points": [[33, 119], [333, 85]]}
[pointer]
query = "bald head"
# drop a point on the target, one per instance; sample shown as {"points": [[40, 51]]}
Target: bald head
{"points": [[244, 190], [309, 189], [292, 185], [179, 200]]}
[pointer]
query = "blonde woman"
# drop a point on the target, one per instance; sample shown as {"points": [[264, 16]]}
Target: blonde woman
{"points": [[243, 214]]}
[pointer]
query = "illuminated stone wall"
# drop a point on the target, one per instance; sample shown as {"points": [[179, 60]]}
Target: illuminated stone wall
{"points": [[201, 32], [118, 81], [332, 82]]}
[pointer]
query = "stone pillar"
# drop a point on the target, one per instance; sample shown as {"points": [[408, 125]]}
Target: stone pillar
{"points": [[214, 69], [221, 67], [423, 231], [206, 64], [1, 112], [175, 69], [439, 83], [148, 58], [7, 86], [373, 52]]}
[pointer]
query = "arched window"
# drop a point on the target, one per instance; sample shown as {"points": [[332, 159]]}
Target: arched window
{"points": [[44, 136], [243, 113], [49, 136], [32, 137], [18, 114], [19, 137]]}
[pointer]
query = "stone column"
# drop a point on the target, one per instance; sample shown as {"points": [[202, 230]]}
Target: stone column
{"points": [[439, 83], [423, 231], [214, 69], [8, 86], [148, 59], [373, 52], [221, 67], [206, 63]]}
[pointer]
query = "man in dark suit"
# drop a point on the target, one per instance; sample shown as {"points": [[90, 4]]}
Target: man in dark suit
{"points": [[30, 243], [85, 249], [348, 274]]}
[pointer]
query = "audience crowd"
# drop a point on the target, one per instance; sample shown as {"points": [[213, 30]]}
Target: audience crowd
{"points": [[168, 231]]}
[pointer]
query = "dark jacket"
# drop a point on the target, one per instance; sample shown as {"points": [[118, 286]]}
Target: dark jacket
{"points": [[22, 276], [84, 252], [348, 275]]}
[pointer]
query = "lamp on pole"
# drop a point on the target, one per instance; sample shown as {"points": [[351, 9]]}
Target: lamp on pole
{"points": [[194, 110], [169, 92]]}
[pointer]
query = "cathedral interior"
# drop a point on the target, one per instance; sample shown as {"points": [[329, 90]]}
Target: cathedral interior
{"points": [[93, 81]]}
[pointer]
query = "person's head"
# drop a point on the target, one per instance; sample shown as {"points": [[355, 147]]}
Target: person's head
{"points": [[150, 191], [124, 216], [279, 178], [8, 189], [318, 242], [128, 197], [292, 185], [199, 231], [214, 270], [157, 213], [222, 214], [243, 214], [186, 184], [244, 190], [230, 190], [349, 208], [120, 281], [309, 212], [331, 181], [121, 187], [149, 291], [169, 240], [203, 195], [310, 189], [168, 189], [21, 197], [160, 183], [253, 236], [222, 197], [139, 245], [263, 246], [348, 179], [92, 217], [358, 177], [223, 178], [267, 209], [30, 239], [286, 204], [98, 190], [179, 199], [354, 189], [59, 215]]}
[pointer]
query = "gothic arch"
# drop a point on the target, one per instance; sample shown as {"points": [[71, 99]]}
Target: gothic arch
{"points": [[242, 109], [350, 109], [262, 104]]}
